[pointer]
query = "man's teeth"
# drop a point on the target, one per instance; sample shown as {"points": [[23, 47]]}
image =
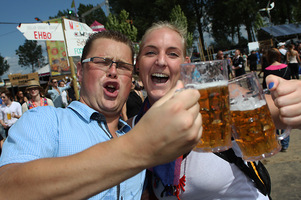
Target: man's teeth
{"points": [[110, 86]]}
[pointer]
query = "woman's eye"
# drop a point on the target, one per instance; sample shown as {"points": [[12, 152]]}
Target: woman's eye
{"points": [[174, 54], [150, 53]]}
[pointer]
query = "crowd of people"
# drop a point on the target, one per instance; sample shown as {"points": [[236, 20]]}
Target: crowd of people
{"points": [[34, 95], [86, 150]]}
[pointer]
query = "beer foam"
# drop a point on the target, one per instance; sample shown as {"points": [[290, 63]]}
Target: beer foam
{"points": [[246, 104], [199, 86]]}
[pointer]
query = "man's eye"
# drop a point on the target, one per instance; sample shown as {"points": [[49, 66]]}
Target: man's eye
{"points": [[102, 62], [124, 66]]}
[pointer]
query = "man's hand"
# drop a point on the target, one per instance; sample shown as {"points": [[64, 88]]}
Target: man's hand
{"points": [[170, 128]]}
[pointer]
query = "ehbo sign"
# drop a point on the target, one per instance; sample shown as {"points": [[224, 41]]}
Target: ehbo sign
{"points": [[76, 34], [42, 31]]}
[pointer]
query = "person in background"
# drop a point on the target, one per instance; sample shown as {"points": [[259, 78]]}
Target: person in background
{"points": [[10, 111], [56, 93], [252, 61], [245, 57], [134, 101], [71, 92], [34, 88], [278, 69], [293, 60], [64, 93], [238, 64], [220, 56], [86, 151], [263, 62], [229, 66], [20, 97], [283, 51]]}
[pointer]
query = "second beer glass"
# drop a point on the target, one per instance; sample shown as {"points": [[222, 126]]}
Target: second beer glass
{"points": [[211, 79], [254, 129]]}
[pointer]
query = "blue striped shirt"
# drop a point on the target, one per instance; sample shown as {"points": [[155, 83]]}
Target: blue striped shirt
{"points": [[46, 131]]}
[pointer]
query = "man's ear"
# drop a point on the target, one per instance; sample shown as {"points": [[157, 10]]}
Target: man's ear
{"points": [[79, 71]]}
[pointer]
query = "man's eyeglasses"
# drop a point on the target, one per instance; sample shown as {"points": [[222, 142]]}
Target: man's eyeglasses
{"points": [[106, 63]]}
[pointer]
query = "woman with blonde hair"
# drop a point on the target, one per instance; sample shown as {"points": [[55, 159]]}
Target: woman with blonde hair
{"points": [[195, 175]]}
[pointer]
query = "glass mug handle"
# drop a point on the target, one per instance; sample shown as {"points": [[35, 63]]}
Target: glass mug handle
{"points": [[288, 129]]}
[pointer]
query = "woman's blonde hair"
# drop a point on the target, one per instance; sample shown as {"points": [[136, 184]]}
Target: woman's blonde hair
{"points": [[164, 24]]}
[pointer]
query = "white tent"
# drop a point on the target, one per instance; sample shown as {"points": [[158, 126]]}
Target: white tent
{"points": [[44, 71]]}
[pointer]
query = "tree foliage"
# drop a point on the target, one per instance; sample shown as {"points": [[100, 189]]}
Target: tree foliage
{"points": [[4, 66], [123, 24], [178, 18], [225, 21], [97, 14], [30, 54]]}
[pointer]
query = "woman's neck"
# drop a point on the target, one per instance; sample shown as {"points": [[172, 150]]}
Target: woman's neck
{"points": [[36, 99], [276, 63]]}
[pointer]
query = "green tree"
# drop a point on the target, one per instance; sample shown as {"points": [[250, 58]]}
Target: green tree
{"points": [[4, 66], [178, 17], [97, 14], [123, 24], [226, 21], [30, 54]]}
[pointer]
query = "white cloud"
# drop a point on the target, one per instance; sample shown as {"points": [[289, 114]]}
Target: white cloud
{"points": [[15, 67]]}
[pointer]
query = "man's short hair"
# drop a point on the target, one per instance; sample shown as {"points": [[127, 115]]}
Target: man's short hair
{"points": [[108, 34]]}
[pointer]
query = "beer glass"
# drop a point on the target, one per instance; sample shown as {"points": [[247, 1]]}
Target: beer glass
{"points": [[253, 127], [8, 116], [211, 79]]}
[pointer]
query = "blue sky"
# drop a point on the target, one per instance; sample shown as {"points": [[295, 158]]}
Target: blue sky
{"points": [[24, 11]]}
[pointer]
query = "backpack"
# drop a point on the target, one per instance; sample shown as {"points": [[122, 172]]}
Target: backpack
{"points": [[254, 170]]}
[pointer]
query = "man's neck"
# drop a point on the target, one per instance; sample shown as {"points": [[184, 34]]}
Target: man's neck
{"points": [[112, 123], [9, 103]]}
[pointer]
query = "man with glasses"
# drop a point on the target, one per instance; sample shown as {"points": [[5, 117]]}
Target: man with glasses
{"points": [[86, 151], [56, 93]]}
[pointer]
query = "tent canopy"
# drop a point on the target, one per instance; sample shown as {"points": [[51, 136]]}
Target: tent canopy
{"points": [[284, 30], [96, 26]]}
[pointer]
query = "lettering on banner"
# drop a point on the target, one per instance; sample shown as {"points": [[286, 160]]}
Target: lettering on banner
{"points": [[82, 34], [78, 51], [42, 35], [71, 25], [81, 42]]}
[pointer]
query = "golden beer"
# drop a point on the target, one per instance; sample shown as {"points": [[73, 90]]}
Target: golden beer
{"points": [[9, 116], [214, 107], [255, 131]]}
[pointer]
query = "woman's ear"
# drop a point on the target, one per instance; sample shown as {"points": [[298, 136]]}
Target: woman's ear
{"points": [[187, 60]]}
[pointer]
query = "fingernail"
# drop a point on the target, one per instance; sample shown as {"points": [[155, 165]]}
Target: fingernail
{"points": [[271, 85]]}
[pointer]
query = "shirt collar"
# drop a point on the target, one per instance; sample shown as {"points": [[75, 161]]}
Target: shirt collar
{"points": [[86, 112]]}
